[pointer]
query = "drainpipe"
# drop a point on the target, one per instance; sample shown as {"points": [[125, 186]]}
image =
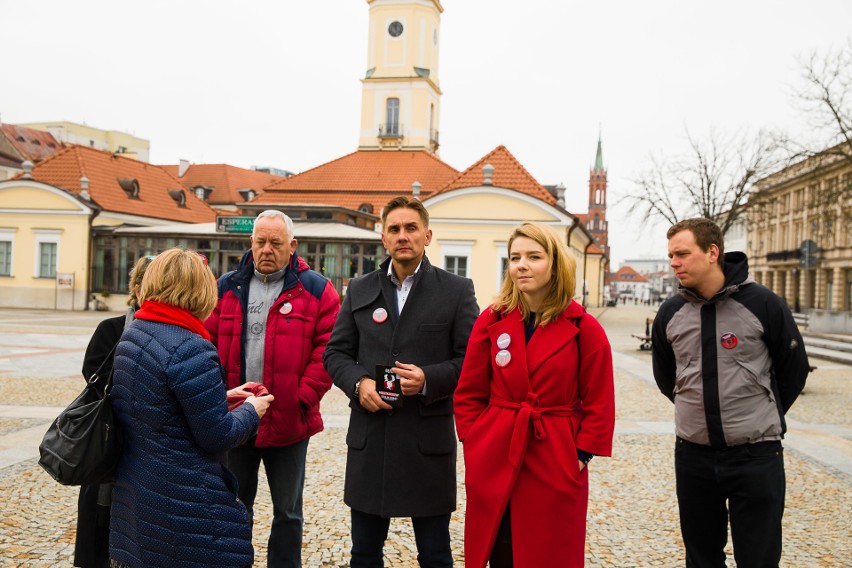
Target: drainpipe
{"points": [[585, 263], [84, 194]]}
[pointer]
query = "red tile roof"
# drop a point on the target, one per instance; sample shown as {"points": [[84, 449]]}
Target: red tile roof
{"points": [[33, 145], [225, 180], [372, 177], [627, 274], [508, 174], [103, 170]]}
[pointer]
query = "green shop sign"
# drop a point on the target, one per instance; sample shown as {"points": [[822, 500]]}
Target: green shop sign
{"points": [[234, 224]]}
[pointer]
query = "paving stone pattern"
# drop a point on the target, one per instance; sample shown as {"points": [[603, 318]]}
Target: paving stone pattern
{"points": [[632, 520]]}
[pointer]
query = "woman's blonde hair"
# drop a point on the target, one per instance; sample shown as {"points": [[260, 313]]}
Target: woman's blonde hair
{"points": [[563, 270], [181, 278], [135, 282]]}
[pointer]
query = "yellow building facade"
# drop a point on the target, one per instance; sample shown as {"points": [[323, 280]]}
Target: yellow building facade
{"points": [[800, 238], [471, 228], [114, 141], [44, 251]]}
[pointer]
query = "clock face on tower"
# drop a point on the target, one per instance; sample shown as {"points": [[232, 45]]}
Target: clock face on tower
{"points": [[395, 29]]}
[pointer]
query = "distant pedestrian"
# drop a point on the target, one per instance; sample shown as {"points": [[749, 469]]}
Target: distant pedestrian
{"points": [[727, 352], [535, 402], [414, 319]]}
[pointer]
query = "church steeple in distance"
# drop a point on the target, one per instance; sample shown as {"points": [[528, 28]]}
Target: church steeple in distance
{"points": [[597, 223], [400, 93]]}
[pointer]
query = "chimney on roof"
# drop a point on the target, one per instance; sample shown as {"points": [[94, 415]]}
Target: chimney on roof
{"points": [[560, 195], [415, 189], [28, 168], [84, 188], [183, 165], [488, 171]]}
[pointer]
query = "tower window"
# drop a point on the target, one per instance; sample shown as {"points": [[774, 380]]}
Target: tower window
{"points": [[392, 117]]}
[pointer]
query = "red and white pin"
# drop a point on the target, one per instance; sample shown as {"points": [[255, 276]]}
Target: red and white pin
{"points": [[503, 358], [380, 315]]}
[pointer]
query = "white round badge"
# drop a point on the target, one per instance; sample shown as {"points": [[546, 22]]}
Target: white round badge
{"points": [[504, 341], [286, 308], [380, 315], [503, 358]]}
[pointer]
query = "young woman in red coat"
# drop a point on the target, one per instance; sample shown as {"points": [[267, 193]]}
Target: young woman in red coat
{"points": [[534, 403]]}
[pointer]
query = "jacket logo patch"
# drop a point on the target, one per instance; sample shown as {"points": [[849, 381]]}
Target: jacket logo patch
{"points": [[729, 340]]}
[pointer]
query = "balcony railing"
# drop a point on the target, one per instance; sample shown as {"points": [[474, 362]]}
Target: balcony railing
{"points": [[393, 130]]}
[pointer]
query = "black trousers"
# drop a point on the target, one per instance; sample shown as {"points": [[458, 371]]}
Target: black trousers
{"points": [[745, 483], [369, 533]]}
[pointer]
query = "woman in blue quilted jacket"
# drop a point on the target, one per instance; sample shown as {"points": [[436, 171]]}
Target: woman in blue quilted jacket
{"points": [[175, 503]]}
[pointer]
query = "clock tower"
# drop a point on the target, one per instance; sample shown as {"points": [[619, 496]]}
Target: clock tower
{"points": [[400, 93]]}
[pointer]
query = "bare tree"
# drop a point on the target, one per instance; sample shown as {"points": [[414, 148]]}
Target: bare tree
{"points": [[824, 95], [712, 180]]}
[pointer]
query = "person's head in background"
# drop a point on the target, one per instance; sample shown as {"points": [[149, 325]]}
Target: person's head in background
{"points": [[181, 278], [134, 283], [541, 277]]}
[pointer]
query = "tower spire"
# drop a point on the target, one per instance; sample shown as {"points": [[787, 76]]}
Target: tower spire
{"points": [[599, 167]]}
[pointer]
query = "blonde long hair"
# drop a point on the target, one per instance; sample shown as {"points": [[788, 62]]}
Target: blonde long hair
{"points": [[563, 280], [181, 278]]}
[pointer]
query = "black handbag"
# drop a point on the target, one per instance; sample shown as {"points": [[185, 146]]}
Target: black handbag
{"points": [[83, 445]]}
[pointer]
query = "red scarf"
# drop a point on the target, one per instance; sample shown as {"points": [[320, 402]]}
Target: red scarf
{"points": [[153, 310]]}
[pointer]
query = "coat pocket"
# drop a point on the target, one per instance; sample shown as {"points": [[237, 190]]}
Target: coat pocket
{"points": [[356, 436], [437, 429]]}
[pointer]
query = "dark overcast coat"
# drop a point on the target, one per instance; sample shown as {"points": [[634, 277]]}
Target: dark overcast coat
{"points": [[402, 463]]}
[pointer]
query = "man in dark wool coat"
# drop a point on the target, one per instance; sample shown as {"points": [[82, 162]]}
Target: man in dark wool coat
{"points": [[416, 319]]}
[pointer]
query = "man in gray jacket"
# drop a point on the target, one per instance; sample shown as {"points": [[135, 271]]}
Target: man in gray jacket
{"points": [[727, 352], [415, 319]]}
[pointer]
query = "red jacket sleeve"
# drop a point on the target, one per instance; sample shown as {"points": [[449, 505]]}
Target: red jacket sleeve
{"points": [[596, 390], [315, 379]]}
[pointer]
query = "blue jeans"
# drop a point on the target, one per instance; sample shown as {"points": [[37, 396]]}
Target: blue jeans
{"points": [[744, 482], [285, 472], [369, 533]]}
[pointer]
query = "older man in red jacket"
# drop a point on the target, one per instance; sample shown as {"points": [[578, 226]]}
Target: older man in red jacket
{"points": [[271, 326]]}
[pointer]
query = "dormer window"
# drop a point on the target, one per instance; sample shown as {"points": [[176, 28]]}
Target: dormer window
{"points": [[179, 196], [248, 194], [366, 208], [130, 187], [202, 192]]}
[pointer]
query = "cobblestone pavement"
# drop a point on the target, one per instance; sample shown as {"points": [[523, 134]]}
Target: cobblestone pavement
{"points": [[632, 508]]}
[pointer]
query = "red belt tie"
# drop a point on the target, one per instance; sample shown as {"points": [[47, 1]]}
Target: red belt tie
{"points": [[528, 411]]}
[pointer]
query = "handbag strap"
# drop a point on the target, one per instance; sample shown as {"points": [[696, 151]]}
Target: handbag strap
{"points": [[97, 374], [128, 319]]}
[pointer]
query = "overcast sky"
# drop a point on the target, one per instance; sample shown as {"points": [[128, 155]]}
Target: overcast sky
{"points": [[277, 83]]}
